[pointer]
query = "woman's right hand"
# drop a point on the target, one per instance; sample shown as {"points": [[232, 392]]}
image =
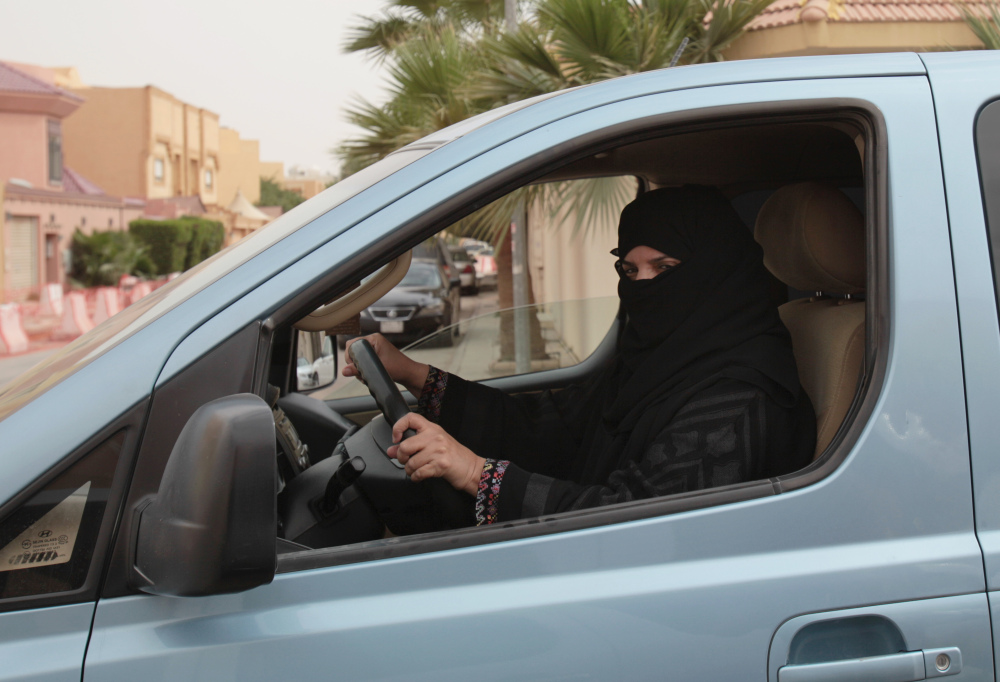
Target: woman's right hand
{"points": [[400, 368]]}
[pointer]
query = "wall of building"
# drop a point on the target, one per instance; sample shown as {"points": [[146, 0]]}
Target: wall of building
{"points": [[573, 273], [55, 219], [307, 188], [24, 148], [239, 167], [105, 139], [833, 37], [144, 142], [272, 170]]}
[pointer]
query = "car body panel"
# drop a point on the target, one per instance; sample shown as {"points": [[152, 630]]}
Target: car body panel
{"points": [[959, 96], [702, 594], [662, 588], [315, 222], [45, 645]]}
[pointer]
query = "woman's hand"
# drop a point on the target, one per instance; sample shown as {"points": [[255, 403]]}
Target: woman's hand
{"points": [[433, 453], [400, 368]]}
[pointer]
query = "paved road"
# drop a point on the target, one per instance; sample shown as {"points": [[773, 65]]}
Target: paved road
{"points": [[12, 367]]}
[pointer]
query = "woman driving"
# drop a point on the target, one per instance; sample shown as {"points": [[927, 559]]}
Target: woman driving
{"points": [[702, 390]]}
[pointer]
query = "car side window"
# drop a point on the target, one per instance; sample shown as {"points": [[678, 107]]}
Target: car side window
{"points": [[48, 541], [573, 300], [988, 151]]}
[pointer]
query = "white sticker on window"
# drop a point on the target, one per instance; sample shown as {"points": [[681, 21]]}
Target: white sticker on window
{"points": [[50, 539]]}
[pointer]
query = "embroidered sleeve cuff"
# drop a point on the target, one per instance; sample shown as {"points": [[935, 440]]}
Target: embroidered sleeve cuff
{"points": [[488, 494], [429, 402]]}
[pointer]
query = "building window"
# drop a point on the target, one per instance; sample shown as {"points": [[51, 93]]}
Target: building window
{"points": [[208, 178], [158, 169], [55, 152]]}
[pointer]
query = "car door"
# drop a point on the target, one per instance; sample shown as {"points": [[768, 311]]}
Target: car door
{"points": [[877, 538], [968, 107]]}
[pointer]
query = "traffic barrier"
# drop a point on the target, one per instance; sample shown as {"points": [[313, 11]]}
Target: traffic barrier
{"points": [[139, 290], [108, 304], [13, 338], [75, 320], [51, 300]]}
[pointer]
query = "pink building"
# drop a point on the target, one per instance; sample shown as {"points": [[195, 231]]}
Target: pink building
{"points": [[43, 201]]}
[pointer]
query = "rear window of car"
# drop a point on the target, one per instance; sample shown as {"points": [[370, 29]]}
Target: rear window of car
{"points": [[988, 151], [421, 275]]}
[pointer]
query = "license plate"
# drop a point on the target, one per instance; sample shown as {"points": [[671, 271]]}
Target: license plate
{"points": [[391, 327]]}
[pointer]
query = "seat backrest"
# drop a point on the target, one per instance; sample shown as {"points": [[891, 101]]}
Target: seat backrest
{"points": [[814, 240]]}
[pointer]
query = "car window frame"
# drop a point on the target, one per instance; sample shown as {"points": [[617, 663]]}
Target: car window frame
{"points": [[861, 112], [130, 424]]}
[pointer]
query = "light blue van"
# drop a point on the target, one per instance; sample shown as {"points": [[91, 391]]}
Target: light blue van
{"points": [[146, 534]]}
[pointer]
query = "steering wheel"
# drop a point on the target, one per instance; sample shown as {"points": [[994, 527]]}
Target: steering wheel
{"points": [[372, 373], [406, 507]]}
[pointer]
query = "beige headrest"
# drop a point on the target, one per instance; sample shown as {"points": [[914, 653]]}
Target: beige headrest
{"points": [[813, 238]]}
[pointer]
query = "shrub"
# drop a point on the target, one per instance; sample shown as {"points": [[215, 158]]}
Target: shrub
{"points": [[101, 258], [178, 244]]}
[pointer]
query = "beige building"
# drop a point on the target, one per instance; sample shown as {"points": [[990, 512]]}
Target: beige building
{"points": [[241, 167], [144, 142], [812, 27], [43, 201]]}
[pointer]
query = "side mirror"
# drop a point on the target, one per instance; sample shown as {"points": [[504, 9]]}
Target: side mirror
{"points": [[316, 364], [211, 528]]}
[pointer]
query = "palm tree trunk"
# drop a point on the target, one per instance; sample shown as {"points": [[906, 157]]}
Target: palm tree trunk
{"points": [[505, 296]]}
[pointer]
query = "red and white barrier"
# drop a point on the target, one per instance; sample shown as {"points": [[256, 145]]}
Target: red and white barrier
{"points": [[139, 290], [108, 304], [51, 300], [75, 320], [13, 338]]}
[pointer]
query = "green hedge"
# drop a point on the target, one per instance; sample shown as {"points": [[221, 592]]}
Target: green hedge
{"points": [[178, 244], [101, 258]]}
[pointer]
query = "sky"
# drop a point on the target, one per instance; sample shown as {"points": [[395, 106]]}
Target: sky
{"points": [[273, 70]]}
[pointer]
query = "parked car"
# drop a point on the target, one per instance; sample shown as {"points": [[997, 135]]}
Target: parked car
{"points": [[486, 268], [307, 376], [466, 270], [423, 302], [141, 536], [437, 249]]}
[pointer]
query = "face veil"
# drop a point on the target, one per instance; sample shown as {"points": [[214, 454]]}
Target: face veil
{"points": [[707, 318]]}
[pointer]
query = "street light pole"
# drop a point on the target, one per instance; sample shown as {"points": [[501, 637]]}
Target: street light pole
{"points": [[519, 255]]}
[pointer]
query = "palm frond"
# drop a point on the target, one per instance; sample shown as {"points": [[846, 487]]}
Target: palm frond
{"points": [[727, 21], [986, 28], [379, 36], [589, 204], [589, 37]]}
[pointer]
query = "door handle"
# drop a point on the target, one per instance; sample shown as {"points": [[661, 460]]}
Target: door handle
{"points": [[909, 666]]}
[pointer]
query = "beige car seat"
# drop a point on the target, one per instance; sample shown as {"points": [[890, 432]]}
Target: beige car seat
{"points": [[813, 238]]}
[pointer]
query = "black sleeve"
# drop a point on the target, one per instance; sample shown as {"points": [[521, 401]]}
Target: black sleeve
{"points": [[719, 437], [538, 432]]}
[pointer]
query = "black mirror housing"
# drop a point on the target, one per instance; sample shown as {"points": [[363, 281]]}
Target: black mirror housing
{"points": [[211, 528]]}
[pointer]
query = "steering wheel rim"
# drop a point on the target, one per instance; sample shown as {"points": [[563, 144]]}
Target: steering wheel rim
{"points": [[452, 508]]}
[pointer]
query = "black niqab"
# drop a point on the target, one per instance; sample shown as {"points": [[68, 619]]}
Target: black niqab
{"points": [[709, 318]]}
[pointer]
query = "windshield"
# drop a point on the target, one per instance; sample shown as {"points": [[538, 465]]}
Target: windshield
{"points": [[422, 275], [110, 333]]}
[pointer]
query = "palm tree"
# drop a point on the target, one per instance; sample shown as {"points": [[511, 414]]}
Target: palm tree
{"points": [[576, 42], [406, 20], [429, 76], [448, 59], [986, 25]]}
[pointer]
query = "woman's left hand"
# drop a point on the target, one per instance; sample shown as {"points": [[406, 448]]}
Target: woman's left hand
{"points": [[433, 453]]}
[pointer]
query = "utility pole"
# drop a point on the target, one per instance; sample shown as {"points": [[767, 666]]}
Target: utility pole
{"points": [[519, 255]]}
